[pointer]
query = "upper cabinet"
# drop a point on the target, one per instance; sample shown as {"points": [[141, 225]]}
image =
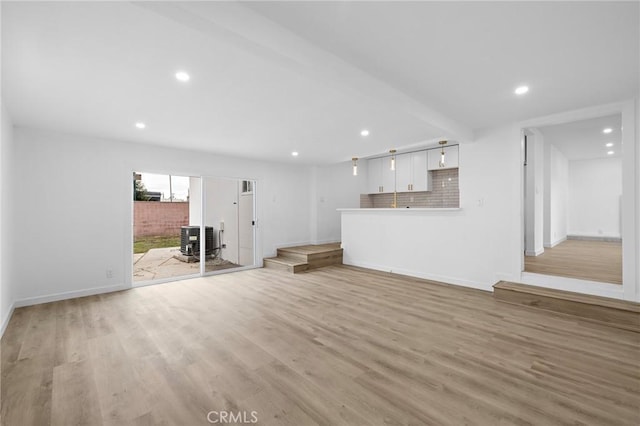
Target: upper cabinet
{"points": [[381, 178], [450, 158], [411, 172], [374, 175]]}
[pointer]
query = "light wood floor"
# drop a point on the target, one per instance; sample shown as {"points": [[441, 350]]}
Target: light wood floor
{"points": [[587, 260], [334, 346]]}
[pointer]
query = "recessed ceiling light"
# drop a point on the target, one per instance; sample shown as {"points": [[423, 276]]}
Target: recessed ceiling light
{"points": [[521, 90], [182, 76], [140, 125], [609, 145], [294, 153], [607, 130], [364, 132], [610, 152]]}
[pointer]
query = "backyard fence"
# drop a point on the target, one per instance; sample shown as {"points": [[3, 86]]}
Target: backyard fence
{"points": [[154, 218]]}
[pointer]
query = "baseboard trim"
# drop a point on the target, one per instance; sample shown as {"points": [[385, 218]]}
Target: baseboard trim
{"points": [[534, 253], [29, 301], [6, 319], [595, 238], [419, 274]]}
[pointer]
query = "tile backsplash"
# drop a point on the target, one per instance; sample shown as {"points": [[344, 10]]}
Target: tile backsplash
{"points": [[445, 193]]}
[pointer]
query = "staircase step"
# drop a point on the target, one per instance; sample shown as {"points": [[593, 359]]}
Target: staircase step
{"points": [[616, 313], [304, 258], [311, 248], [292, 265], [319, 260], [292, 254]]}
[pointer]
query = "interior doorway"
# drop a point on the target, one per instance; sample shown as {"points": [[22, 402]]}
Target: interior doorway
{"points": [[573, 198]]}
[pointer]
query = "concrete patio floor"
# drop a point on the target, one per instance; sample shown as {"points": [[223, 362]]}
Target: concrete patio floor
{"points": [[160, 263]]}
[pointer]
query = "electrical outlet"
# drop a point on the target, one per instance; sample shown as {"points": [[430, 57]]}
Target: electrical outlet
{"points": [[109, 273]]}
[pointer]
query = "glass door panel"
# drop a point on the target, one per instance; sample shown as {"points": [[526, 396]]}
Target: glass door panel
{"points": [[163, 217]]}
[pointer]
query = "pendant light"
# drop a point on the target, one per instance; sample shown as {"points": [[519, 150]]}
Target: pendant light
{"points": [[393, 159], [354, 161], [442, 144]]}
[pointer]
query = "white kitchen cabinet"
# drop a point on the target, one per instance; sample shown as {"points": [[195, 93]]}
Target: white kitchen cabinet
{"points": [[450, 156], [404, 177], [388, 176], [381, 178], [411, 172], [374, 175]]}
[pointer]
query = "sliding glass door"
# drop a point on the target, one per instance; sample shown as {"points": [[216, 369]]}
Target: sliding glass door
{"points": [[191, 226], [162, 215]]}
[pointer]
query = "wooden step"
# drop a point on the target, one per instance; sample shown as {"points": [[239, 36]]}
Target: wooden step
{"points": [[292, 254], [304, 258], [291, 265], [327, 258], [616, 313]]}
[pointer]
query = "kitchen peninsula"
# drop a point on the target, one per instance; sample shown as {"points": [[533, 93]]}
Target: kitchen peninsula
{"points": [[404, 222]]}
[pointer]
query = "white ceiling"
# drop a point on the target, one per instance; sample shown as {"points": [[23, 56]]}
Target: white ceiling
{"points": [[269, 78], [585, 140], [466, 58]]}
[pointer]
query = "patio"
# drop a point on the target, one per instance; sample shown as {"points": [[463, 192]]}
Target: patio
{"points": [[161, 263]]}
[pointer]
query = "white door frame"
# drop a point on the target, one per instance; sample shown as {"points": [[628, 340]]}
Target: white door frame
{"points": [[129, 237], [629, 112]]}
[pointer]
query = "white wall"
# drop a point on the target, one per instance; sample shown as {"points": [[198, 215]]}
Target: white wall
{"points": [[534, 194], [630, 205], [557, 204], [7, 281], [335, 188], [75, 207], [633, 247], [476, 246], [547, 194], [595, 188]]}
